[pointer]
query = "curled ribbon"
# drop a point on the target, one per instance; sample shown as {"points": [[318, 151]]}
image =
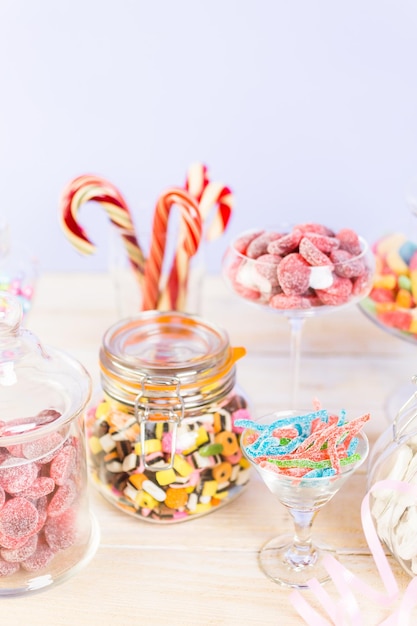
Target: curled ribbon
{"points": [[346, 611]]}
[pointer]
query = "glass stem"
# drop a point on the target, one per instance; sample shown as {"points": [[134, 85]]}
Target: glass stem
{"points": [[296, 326], [302, 552]]}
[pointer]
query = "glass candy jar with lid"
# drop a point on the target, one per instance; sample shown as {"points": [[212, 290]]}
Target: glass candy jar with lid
{"points": [[394, 503], [46, 530], [162, 442]]}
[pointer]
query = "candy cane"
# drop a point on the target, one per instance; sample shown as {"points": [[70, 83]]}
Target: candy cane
{"points": [[189, 239], [210, 194], [83, 189], [207, 194]]}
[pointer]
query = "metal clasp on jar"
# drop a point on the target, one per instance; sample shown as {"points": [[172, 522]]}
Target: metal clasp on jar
{"points": [[151, 409]]}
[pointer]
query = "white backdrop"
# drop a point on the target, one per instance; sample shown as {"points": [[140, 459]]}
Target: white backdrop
{"points": [[307, 109]]}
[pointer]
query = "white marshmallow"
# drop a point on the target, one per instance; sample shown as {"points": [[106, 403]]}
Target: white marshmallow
{"points": [[321, 277]]}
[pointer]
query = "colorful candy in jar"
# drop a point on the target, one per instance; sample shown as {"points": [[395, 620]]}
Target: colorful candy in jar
{"points": [[393, 298], [163, 444]]}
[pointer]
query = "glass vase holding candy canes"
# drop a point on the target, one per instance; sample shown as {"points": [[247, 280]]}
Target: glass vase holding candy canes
{"points": [[299, 272], [304, 460]]}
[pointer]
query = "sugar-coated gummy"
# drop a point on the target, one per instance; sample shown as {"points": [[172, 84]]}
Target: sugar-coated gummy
{"points": [[19, 518], [320, 248]]}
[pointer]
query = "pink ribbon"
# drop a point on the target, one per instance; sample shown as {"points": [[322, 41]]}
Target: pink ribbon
{"points": [[346, 610]]}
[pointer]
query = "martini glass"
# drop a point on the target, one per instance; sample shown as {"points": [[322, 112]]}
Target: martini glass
{"points": [[294, 559], [328, 287]]}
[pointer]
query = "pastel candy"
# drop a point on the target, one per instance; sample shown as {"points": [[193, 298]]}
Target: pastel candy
{"points": [[396, 263], [407, 250]]}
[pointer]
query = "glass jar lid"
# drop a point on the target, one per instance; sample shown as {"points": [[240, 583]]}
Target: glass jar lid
{"points": [[155, 347], [40, 388]]}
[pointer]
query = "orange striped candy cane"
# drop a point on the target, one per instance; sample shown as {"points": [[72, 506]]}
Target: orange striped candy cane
{"points": [[189, 239], [86, 188]]}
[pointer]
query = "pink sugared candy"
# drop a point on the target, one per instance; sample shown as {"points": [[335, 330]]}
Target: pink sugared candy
{"points": [[15, 478], [309, 266], [18, 518], [61, 531], [294, 274], [63, 464], [39, 559]]}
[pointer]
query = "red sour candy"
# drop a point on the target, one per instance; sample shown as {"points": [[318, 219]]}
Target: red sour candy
{"points": [[323, 242], [311, 227], [40, 559], [346, 264], [42, 449], [282, 301], [259, 245], [267, 265], [242, 242], [62, 465], [294, 274], [62, 499], [349, 241], [339, 293], [16, 478], [7, 569], [312, 254], [23, 552], [61, 531], [2, 497], [41, 486], [286, 244], [396, 319], [18, 518]]}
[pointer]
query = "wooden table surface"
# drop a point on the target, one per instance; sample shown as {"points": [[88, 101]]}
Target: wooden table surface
{"points": [[205, 571]]}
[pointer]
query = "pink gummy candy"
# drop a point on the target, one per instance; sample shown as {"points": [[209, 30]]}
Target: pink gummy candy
{"points": [[346, 264], [16, 478], [61, 531], [18, 518], [286, 244], [259, 245], [312, 254], [40, 559], [22, 553], [63, 464], [41, 486], [325, 243], [42, 449], [312, 227], [282, 301], [266, 265], [294, 274], [242, 242], [62, 499], [349, 241], [2, 496], [8, 569], [338, 293]]}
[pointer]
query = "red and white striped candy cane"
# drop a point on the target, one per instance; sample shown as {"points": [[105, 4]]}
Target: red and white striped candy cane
{"points": [[209, 195], [189, 240], [86, 188]]}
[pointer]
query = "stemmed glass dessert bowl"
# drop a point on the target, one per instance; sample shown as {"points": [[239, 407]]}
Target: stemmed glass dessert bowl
{"points": [[294, 559], [299, 272]]}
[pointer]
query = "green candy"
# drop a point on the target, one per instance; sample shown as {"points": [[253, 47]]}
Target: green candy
{"points": [[313, 464], [404, 282], [211, 449]]}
